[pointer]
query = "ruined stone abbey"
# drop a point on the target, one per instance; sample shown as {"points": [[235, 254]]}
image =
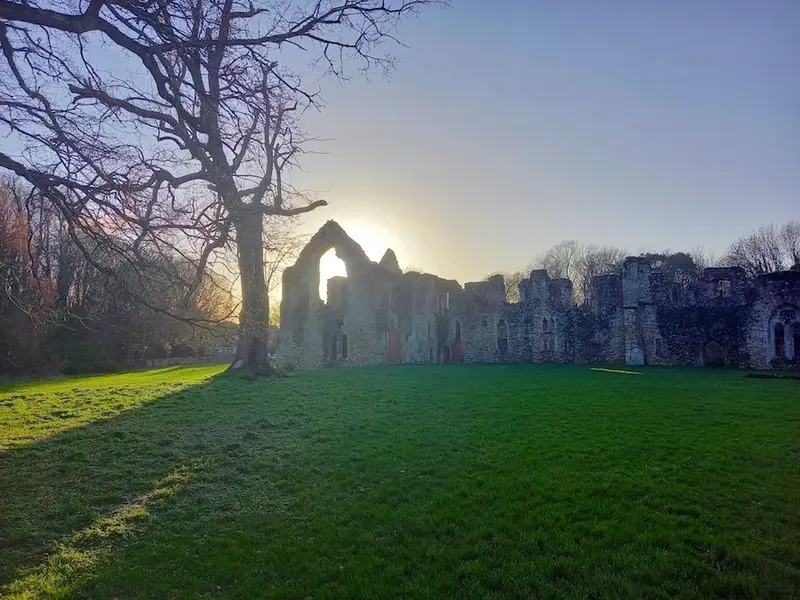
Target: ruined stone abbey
{"points": [[377, 314]]}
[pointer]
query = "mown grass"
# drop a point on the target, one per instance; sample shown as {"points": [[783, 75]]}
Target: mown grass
{"points": [[427, 482]]}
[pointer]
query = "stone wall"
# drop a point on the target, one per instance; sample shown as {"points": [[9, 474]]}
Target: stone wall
{"points": [[775, 305], [377, 314]]}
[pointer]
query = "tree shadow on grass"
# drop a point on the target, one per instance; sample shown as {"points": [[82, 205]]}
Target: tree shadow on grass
{"points": [[68, 499]]}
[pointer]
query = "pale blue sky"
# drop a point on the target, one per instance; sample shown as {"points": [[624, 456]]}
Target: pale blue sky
{"points": [[512, 125]]}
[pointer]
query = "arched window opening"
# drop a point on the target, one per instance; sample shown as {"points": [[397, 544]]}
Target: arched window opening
{"points": [[780, 342], [332, 289], [502, 336], [548, 341], [458, 331], [659, 349]]}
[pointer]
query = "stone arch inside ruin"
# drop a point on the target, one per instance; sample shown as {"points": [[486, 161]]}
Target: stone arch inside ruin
{"points": [[783, 334]]}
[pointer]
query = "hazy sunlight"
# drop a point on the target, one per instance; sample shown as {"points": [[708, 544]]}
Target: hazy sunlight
{"points": [[374, 240]]}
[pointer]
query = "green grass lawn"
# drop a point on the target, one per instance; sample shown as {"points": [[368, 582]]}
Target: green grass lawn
{"points": [[401, 482]]}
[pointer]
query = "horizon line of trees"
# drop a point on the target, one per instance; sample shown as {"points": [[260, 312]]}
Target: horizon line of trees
{"points": [[768, 249]]}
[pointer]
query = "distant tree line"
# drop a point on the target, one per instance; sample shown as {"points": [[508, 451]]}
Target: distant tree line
{"points": [[768, 249]]}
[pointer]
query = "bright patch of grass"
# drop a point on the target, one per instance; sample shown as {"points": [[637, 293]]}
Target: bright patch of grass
{"points": [[427, 482]]}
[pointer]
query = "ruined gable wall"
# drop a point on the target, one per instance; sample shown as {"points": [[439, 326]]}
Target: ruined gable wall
{"points": [[365, 318], [545, 319], [598, 331], [481, 311], [307, 323], [300, 342], [776, 297], [420, 317]]}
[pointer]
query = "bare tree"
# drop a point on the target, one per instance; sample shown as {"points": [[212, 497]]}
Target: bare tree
{"points": [[511, 280], [790, 241], [200, 99], [579, 263], [282, 245], [561, 260], [703, 258], [766, 250], [413, 269], [595, 261]]}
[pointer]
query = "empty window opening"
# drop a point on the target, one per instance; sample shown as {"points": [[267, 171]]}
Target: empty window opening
{"points": [[333, 347], [458, 331], [548, 342], [447, 301], [723, 288], [444, 353], [344, 345], [780, 342], [796, 341], [502, 336], [659, 348], [331, 266]]}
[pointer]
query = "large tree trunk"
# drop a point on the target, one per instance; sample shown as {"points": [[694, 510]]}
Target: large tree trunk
{"points": [[251, 352]]}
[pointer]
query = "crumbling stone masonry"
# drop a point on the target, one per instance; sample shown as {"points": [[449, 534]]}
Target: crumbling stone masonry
{"points": [[377, 314]]}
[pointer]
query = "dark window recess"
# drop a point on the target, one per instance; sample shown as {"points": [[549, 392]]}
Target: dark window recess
{"points": [[548, 342], [458, 331], [502, 336], [796, 340], [659, 348], [344, 345], [780, 342]]}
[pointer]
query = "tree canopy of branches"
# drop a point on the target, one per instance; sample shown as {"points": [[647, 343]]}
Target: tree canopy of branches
{"points": [[176, 124], [579, 263], [59, 313], [511, 280], [766, 250]]}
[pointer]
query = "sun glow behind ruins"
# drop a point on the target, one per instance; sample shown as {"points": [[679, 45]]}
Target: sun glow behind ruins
{"points": [[373, 239]]}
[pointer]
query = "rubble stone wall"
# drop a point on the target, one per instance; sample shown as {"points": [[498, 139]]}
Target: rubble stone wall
{"points": [[377, 315]]}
